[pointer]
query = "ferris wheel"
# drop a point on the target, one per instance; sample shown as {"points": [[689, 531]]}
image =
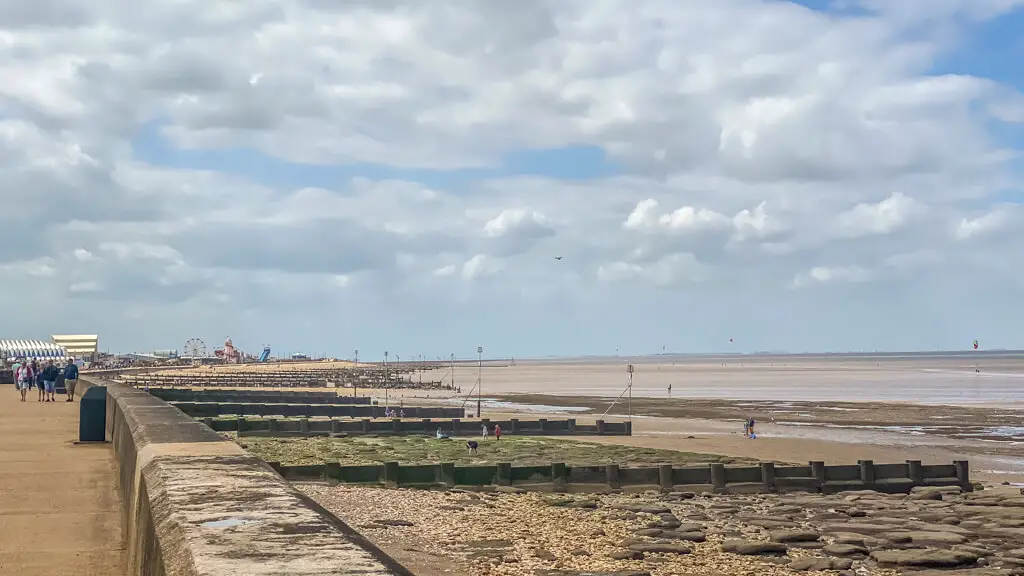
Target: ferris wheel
{"points": [[195, 348]]}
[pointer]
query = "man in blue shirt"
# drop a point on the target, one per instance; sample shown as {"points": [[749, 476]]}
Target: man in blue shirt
{"points": [[70, 379]]}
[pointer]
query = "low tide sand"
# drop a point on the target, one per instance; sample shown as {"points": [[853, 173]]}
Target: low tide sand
{"points": [[837, 408]]}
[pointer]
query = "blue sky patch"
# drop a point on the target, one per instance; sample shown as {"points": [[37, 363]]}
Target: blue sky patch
{"points": [[567, 163]]}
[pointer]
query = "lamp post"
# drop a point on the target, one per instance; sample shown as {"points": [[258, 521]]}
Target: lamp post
{"points": [[479, 378], [453, 371], [355, 381], [386, 380], [629, 387]]}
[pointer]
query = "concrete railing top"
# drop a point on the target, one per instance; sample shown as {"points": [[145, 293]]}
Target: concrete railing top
{"points": [[196, 503]]}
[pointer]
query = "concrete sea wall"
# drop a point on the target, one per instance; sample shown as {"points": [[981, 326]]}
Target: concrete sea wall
{"points": [[717, 478], [196, 504], [301, 427]]}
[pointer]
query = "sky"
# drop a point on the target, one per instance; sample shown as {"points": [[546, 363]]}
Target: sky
{"points": [[401, 176]]}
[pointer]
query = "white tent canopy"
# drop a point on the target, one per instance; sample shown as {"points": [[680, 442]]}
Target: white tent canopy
{"points": [[31, 349]]}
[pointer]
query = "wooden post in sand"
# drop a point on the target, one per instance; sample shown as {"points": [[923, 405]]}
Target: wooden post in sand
{"points": [[867, 471], [915, 472], [768, 476], [963, 473], [718, 477], [818, 472], [665, 477], [611, 475]]}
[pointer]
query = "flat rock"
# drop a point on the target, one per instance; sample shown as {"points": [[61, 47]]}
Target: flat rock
{"points": [[845, 550], [806, 545], [812, 564], [793, 536], [925, 558], [933, 538], [649, 532], [754, 548], [964, 572], [858, 528], [661, 548], [856, 539], [692, 536]]}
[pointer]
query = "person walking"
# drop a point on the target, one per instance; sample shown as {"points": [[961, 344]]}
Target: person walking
{"points": [[50, 374], [24, 378], [37, 378], [497, 431], [14, 372], [71, 379]]}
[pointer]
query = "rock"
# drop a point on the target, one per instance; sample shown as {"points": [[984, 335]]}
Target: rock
{"points": [[976, 550], [579, 552], [926, 495], [670, 525], [631, 541], [807, 545], [598, 532], [952, 490], [509, 490], [626, 555], [855, 513], [770, 523], [661, 548], [588, 504], [623, 573], [812, 564], [656, 510], [649, 532], [793, 536], [856, 539], [753, 548], [682, 495], [963, 572], [687, 536], [545, 554], [933, 538], [845, 550], [925, 558], [393, 523], [857, 528]]}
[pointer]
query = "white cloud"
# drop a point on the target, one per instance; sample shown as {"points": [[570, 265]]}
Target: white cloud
{"points": [[755, 144], [831, 274], [879, 218], [983, 225], [479, 266]]}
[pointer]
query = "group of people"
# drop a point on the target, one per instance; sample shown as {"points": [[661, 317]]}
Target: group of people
{"points": [[29, 374]]}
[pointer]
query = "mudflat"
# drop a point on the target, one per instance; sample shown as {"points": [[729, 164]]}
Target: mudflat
{"points": [[59, 506]]}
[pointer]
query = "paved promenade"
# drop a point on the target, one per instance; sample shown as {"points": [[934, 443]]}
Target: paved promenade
{"points": [[59, 508]]}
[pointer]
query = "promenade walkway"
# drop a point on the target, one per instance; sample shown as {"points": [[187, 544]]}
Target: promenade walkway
{"points": [[59, 507]]}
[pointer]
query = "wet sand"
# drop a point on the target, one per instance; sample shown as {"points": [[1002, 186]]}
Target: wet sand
{"points": [[837, 408], [940, 380]]}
